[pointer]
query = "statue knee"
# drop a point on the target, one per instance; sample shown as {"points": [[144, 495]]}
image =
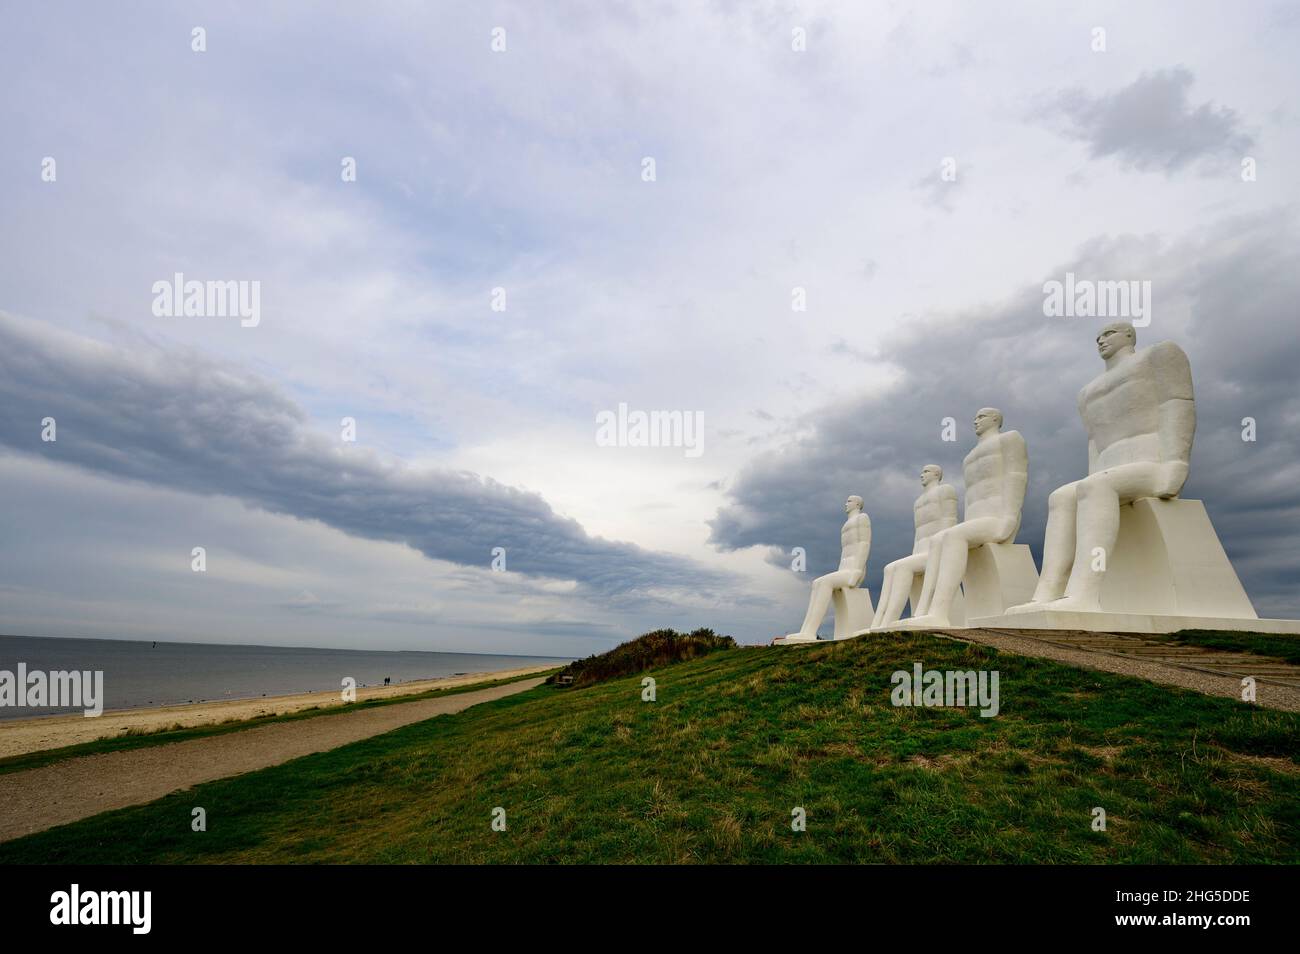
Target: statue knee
{"points": [[954, 537], [1092, 486], [1062, 497]]}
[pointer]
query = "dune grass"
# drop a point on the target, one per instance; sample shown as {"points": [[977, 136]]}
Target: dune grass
{"points": [[712, 770]]}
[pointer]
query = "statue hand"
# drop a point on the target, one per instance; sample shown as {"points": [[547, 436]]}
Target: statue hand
{"points": [[1170, 479]]}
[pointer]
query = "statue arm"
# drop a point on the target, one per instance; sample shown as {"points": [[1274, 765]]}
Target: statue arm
{"points": [[1080, 403], [861, 545], [1177, 415], [1015, 473], [949, 505]]}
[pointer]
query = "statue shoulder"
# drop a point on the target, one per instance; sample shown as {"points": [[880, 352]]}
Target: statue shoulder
{"points": [[946, 492], [1015, 453], [1171, 367]]}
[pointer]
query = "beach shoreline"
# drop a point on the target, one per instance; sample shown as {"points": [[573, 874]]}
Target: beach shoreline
{"points": [[21, 736]]}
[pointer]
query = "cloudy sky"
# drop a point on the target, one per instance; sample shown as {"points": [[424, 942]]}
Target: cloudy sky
{"points": [[524, 170]]}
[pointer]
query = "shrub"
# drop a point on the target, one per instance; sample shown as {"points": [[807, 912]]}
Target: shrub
{"points": [[659, 648]]}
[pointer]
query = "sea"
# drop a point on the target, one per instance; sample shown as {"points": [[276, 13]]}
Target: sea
{"points": [[139, 674]]}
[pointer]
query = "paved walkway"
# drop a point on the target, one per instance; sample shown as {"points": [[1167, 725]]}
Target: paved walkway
{"points": [[40, 798], [1211, 671]]}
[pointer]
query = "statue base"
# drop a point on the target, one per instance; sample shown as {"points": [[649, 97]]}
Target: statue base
{"points": [[1133, 623], [853, 611], [1168, 572]]}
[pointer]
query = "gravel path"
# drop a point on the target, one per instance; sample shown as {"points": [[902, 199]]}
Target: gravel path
{"points": [[40, 798], [1204, 670]]}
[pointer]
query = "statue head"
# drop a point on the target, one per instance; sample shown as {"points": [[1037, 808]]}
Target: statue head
{"points": [[987, 419], [931, 474], [1115, 337], [853, 504]]}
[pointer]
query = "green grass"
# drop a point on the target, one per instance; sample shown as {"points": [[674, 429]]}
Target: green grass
{"points": [[711, 771], [135, 739], [1280, 647]]}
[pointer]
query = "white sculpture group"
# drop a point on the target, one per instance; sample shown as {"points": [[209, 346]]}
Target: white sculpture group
{"points": [[1120, 552]]}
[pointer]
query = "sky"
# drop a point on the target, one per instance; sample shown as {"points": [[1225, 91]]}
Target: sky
{"points": [[819, 229]]}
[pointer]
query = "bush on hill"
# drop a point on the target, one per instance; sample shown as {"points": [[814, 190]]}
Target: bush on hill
{"points": [[658, 648]]}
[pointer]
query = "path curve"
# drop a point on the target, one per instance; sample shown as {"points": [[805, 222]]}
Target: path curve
{"points": [[67, 791], [1213, 672]]}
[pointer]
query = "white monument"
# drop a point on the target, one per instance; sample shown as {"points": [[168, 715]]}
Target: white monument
{"points": [[852, 602], [933, 511], [1121, 552], [995, 473]]}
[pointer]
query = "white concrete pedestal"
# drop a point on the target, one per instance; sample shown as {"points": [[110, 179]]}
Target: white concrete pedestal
{"points": [[853, 610], [998, 575], [1168, 572]]}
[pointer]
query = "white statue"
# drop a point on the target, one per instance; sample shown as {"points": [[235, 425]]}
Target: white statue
{"points": [[995, 473], [1140, 418], [855, 547], [933, 511]]}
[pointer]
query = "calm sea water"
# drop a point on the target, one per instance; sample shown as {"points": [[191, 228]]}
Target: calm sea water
{"points": [[158, 674]]}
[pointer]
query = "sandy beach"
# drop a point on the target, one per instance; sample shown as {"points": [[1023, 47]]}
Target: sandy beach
{"points": [[52, 732]]}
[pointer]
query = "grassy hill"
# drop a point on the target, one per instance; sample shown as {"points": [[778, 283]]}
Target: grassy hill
{"points": [[652, 650], [711, 771]]}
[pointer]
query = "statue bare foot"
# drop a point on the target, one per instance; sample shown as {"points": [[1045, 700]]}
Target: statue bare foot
{"points": [[1072, 604], [929, 621], [798, 638], [1033, 606]]}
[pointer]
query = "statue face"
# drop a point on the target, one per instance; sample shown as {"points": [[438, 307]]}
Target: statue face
{"points": [[930, 475], [852, 504], [1114, 338], [987, 420]]}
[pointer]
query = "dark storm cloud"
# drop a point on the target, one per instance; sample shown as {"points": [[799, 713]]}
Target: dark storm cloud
{"points": [[1228, 297], [1151, 124], [180, 420]]}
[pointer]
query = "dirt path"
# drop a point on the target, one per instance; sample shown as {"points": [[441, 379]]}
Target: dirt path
{"points": [[18, 736], [77, 788], [1215, 672]]}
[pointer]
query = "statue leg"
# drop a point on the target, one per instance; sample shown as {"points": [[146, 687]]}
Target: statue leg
{"points": [[932, 562], [886, 595], [819, 602], [952, 567], [1099, 498], [895, 590], [949, 554], [1059, 543]]}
